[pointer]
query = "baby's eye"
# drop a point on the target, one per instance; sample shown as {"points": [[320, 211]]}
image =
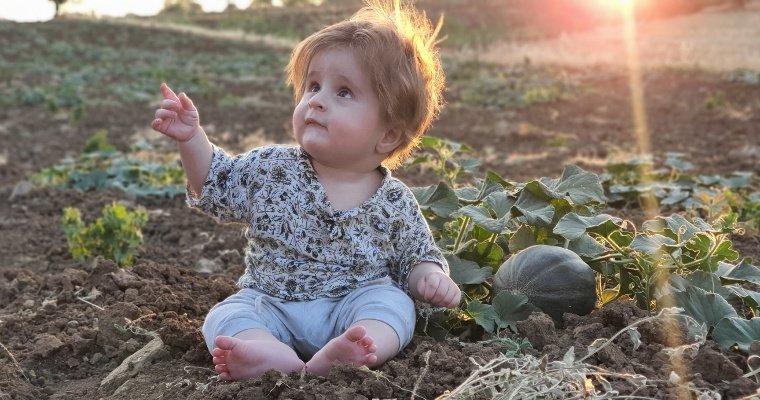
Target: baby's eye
{"points": [[313, 87], [345, 93]]}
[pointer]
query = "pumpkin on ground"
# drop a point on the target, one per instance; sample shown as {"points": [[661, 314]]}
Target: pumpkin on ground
{"points": [[554, 279]]}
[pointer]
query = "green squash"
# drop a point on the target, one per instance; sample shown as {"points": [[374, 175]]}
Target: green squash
{"points": [[554, 279]]}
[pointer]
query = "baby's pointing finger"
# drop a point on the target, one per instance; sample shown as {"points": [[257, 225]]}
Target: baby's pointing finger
{"points": [[168, 92]]}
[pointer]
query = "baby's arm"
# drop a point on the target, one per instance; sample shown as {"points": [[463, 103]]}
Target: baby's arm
{"points": [[178, 119], [428, 283]]}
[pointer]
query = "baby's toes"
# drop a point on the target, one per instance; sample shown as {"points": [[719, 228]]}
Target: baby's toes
{"points": [[217, 352], [220, 360], [366, 341], [221, 369]]}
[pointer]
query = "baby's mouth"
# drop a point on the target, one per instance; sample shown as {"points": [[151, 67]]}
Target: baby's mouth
{"points": [[312, 121]]}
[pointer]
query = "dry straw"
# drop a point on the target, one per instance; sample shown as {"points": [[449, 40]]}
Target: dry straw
{"points": [[528, 377]]}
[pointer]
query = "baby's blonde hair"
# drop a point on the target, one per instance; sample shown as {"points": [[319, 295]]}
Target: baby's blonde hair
{"points": [[397, 47]]}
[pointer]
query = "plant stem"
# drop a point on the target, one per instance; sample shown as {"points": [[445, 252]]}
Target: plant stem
{"points": [[462, 232], [604, 257], [491, 242], [465, 246]]}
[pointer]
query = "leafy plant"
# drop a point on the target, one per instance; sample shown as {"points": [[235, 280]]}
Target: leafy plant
{"points": [[116, 235], [478, 226], [443, 157], [98, 142], [636, 181], [497, 87], [100, 166], [716, 101]]}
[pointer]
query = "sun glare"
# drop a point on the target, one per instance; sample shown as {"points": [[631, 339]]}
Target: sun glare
{"points": [[616, 4]]}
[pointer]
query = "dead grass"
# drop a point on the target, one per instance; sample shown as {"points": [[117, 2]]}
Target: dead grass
{"points": [[714, 40]]}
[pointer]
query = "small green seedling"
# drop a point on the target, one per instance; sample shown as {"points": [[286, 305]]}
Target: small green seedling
{"points": [[115, 235]]}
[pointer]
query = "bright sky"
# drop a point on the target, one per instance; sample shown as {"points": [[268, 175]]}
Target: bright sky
{"points": [[43, 10]]}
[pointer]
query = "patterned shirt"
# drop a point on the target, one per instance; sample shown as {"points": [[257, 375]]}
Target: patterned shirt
{"points": [[300, 247]]}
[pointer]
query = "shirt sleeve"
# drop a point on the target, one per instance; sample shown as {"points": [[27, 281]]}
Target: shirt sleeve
{"points": [[227, 191], [416, 245]]}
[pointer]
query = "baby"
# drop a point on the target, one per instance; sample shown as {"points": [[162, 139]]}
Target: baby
{"points": [[337, 248]]}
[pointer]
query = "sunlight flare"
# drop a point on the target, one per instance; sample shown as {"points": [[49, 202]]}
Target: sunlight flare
{"points": [[644, 147]]}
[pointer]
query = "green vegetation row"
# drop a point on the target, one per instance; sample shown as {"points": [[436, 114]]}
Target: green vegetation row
{"points": [[679, 260], [685, 259]]}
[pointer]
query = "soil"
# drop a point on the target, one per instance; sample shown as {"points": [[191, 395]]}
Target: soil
{"points": [[65, 325]]}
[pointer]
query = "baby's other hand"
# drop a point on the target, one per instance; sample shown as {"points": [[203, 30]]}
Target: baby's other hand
{"points": [[177, 117], [439, 289]]}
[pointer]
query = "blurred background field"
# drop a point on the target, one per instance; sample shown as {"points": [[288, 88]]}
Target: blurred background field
{"points": [[669, 94]]}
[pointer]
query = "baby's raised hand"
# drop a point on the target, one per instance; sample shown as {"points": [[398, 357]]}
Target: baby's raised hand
{"points": [[438, 289], [177, 117]]}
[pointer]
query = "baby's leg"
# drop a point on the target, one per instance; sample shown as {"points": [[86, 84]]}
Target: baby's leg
{"points": [[251, 353], [355, 347], [385, 338]]}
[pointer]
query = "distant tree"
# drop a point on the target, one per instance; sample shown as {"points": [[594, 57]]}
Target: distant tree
{"points": [[57, 6], [181, 6]]}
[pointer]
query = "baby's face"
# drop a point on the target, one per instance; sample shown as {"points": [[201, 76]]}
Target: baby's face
{"points": [[338, 119]]}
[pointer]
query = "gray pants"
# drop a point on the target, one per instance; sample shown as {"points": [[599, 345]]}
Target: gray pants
{"points": [[306, 326]]}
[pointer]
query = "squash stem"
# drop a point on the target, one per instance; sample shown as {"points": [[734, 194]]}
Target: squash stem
{"points": [[461, 234]]}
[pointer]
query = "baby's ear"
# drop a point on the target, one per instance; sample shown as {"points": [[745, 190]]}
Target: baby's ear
{"points": [[390, 140]]}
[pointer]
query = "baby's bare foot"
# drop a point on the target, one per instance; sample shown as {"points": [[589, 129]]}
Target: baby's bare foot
{"points": [[352, 347], [242, 359]]}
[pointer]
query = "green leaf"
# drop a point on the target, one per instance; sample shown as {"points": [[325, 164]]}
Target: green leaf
{"points": [[651, 244], [675, 197], [580, 187], [500, 203], [708, 308], [470, 164], [748, 297], [511, 307], [440, 199], [678, 225], [700, 244], [573, 226], [621, 238], [743, 272], [465, 272], [485, 253], [706, 281], [493, 177], [437, 325], [468, 194], [483, 314], [675, 160], [535, 209], [724, 252], [521, 239], [481, 217], [737, 331], [586, 246]]}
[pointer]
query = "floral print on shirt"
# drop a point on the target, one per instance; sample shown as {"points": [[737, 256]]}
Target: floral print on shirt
{"points": [[299, 247]]}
